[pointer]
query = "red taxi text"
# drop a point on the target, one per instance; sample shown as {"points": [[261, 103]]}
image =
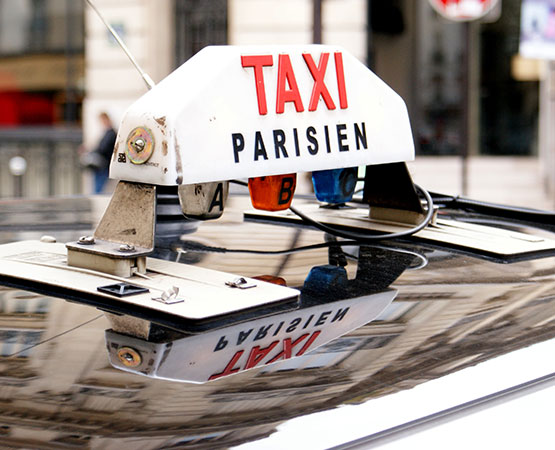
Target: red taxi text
{"points": [[280, 348], [287, 88]]}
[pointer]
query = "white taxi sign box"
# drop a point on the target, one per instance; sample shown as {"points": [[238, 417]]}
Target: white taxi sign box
{"points": [[248, 111], [254, 344]]}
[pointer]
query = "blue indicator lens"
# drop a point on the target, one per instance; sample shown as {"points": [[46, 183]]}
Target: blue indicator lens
{"points": [[326, 280], [335, 185]]}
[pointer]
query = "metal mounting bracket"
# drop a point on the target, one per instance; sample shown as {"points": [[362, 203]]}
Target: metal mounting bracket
{"points": [[390, 192], [124, 236]]}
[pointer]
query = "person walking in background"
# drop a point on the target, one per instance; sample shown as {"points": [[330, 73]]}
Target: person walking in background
{"points": [[98, 159]]}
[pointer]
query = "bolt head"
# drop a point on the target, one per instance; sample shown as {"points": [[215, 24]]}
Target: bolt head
{"points": [[86, 240], [139, 145], [126, 248], [129, 357]]}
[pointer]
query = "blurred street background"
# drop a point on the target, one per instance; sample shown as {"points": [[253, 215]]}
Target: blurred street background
{"points": [[500, 179], [482, 111]]}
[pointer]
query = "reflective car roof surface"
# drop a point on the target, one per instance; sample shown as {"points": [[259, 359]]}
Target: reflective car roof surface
{"points": [[452, 309]]}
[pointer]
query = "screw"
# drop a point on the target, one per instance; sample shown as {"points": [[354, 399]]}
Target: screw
{"points": [[129, 356], [139, 145], [86, 240], [126, 248]]}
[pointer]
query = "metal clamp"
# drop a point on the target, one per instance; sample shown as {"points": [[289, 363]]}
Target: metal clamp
{"points": [[170, 296], [240, 283]]}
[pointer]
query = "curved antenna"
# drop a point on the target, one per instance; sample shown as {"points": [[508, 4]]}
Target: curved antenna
{"points": [[149, 83]]}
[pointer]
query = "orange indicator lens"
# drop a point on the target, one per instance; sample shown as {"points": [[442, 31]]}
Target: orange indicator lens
{"points": [[271, 279], [272, 193]]}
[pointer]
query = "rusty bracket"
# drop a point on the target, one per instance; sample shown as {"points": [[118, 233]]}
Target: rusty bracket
{"points": [[124, 236]]}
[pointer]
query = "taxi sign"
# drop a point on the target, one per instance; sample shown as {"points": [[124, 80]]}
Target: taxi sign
{"points": [[252, 111]]}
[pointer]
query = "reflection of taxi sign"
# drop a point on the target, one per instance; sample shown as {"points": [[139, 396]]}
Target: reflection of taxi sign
{"points": [[244, 112], [253, 344]]}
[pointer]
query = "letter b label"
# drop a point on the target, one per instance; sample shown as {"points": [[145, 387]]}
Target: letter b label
{"points": [[272, 193]]}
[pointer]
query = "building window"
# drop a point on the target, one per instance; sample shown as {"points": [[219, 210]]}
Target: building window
{"points": [[198, 23], [18, 342], [22, 303], [379, 341], [40, 26]]}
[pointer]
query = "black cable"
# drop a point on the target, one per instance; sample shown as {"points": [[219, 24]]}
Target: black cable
{"points": [[369, 237], [365, 237], [201, 248], [239, 182]]}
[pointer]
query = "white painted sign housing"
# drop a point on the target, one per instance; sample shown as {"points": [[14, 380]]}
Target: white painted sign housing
{"points": [[247, 111]]}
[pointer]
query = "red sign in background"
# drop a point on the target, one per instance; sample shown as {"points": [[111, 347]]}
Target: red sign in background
{"points": [[461, 10]]}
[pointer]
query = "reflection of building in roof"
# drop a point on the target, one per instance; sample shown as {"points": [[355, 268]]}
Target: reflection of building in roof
{"points": [[59, 390], [457, 325], [23, 320]]}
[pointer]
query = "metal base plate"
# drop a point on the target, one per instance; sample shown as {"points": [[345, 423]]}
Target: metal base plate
{"points": [[478, 239], [207, 301]]}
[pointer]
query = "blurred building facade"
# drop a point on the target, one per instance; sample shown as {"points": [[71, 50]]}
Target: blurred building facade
{"points": [[406, 43], [417, 52], [41, 91]]}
